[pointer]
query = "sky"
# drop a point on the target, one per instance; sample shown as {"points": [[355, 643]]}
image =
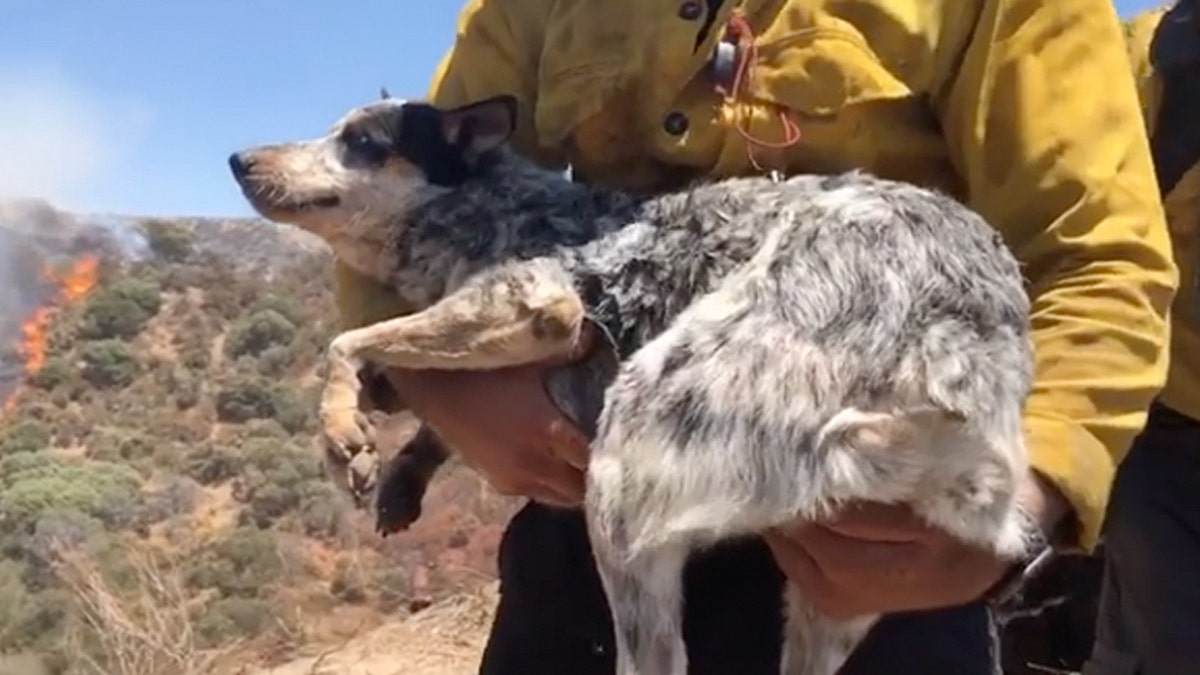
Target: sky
{"points": [[132, 106]]}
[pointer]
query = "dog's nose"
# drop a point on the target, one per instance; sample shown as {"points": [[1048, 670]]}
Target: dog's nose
{"points": [[240, 165]]}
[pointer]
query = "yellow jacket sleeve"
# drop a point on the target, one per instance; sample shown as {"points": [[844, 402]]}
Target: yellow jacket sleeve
{"points": [[1042, 120], [495, 51]]}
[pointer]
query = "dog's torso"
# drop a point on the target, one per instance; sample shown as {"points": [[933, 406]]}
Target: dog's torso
{"points": [[637, 262]]}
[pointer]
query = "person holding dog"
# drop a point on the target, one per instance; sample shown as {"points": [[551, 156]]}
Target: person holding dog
{"points": [[1149, 613], [993, 101]]}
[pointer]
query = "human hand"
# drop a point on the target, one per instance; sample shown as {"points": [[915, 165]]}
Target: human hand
{"points": [[503, 424], [877, 559]]}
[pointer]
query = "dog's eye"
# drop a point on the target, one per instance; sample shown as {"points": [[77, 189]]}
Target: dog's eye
{"points": [[359, 142], [364, 148]]}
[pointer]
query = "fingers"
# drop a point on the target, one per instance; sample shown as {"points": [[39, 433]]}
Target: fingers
{"points": [[537, 474], [564, 483], [802, 570], [840, 556], [550, 481], [568, 443], [524, 446], [884, 523]]}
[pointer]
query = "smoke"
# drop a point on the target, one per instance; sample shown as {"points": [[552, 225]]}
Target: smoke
{"points": [[60, 142], [36, 238]]}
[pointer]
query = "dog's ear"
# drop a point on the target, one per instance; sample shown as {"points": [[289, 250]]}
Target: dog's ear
{"points": [[384, 94], [478, 127]]}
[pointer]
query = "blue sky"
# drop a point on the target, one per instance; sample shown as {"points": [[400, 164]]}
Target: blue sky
{"points": [[131, 106]]}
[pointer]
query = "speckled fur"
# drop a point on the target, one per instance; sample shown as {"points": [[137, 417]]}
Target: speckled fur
{"points": [[783, 348]]}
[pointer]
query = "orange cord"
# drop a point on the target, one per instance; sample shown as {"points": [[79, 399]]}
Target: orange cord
{"points": [[747, 51]]}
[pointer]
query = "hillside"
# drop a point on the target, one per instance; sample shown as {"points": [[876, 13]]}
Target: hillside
{"points": [[161, 500]]}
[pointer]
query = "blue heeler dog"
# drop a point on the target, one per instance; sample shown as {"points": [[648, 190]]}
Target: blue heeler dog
{"points": [[784, 347]]}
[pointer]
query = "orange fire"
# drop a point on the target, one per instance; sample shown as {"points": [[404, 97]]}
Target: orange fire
{"points": [[73, 284]]}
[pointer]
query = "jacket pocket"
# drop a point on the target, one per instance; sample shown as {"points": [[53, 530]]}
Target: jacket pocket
{"points": [[820, 71]]}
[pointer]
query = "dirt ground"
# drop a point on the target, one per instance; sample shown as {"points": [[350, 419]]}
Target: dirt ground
{"points": [[445, 639]]}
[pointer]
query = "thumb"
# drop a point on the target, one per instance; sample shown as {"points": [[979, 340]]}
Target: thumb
{"points": [[884, 523], [569, 443]]}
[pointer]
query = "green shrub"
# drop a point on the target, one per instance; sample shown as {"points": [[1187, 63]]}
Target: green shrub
{"points": [[55, 371], [193, 341], [234, 618], [230, 295], [170, 241], [143, 290], [109, 316], [322, 509], [274, 478], [209, 462], [244, 398], [56, 530], [34, 484], [182, 385], [274, 362], [277, 303], [120, 310], [259, 332], [29, 620], [245, 564], [393, 587], [25, 436], [120, 445], [177, 497], [108, 364], [267, 428], [295, 413]]}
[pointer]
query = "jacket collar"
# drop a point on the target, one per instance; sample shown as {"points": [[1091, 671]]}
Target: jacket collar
{"points": [[593, 50]]}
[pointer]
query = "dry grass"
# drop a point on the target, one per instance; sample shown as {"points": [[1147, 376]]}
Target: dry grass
{"points": [[445, 639], [146, 631]]}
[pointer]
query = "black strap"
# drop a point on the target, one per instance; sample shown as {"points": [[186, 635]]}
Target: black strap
{"points": [[1175, 54]]}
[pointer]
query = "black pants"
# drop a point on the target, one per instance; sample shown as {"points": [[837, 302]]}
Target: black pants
{"points": [[553, 618], [1149, 619]]}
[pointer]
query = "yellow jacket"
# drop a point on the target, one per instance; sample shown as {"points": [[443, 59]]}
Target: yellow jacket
{"points": [[1183, 218], [1025, 109]]}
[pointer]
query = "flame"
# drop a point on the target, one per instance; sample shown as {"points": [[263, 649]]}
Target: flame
{"points": [[78, 280], [72, 284]]}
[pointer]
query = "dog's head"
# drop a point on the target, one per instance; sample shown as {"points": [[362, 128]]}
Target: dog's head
{"points": [[374, 164]]}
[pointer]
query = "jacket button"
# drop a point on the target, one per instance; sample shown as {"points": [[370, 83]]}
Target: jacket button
{"points": [[675, 123], [691, 10]]}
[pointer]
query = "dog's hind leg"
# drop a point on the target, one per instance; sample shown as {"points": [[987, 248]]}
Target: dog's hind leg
{"points": [[645, 597], [404, 479], [510, 316], [814, 644]]}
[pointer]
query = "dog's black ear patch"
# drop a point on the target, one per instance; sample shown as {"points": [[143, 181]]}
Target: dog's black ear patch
{"points": [[478, 127], [420, 141], [447, 144]]}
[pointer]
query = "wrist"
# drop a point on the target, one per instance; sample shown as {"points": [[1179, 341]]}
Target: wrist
{"points": [[1050, 526], [1048, 509]]}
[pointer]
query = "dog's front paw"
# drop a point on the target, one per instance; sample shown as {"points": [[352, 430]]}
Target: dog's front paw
{"points": [[362, 475], [350, 456]]}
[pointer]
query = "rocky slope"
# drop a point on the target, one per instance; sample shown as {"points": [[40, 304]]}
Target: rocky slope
{"points": [[160, 493]]}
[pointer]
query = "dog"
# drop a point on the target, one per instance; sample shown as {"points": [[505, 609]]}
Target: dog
{"points": [[781, 347]]}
